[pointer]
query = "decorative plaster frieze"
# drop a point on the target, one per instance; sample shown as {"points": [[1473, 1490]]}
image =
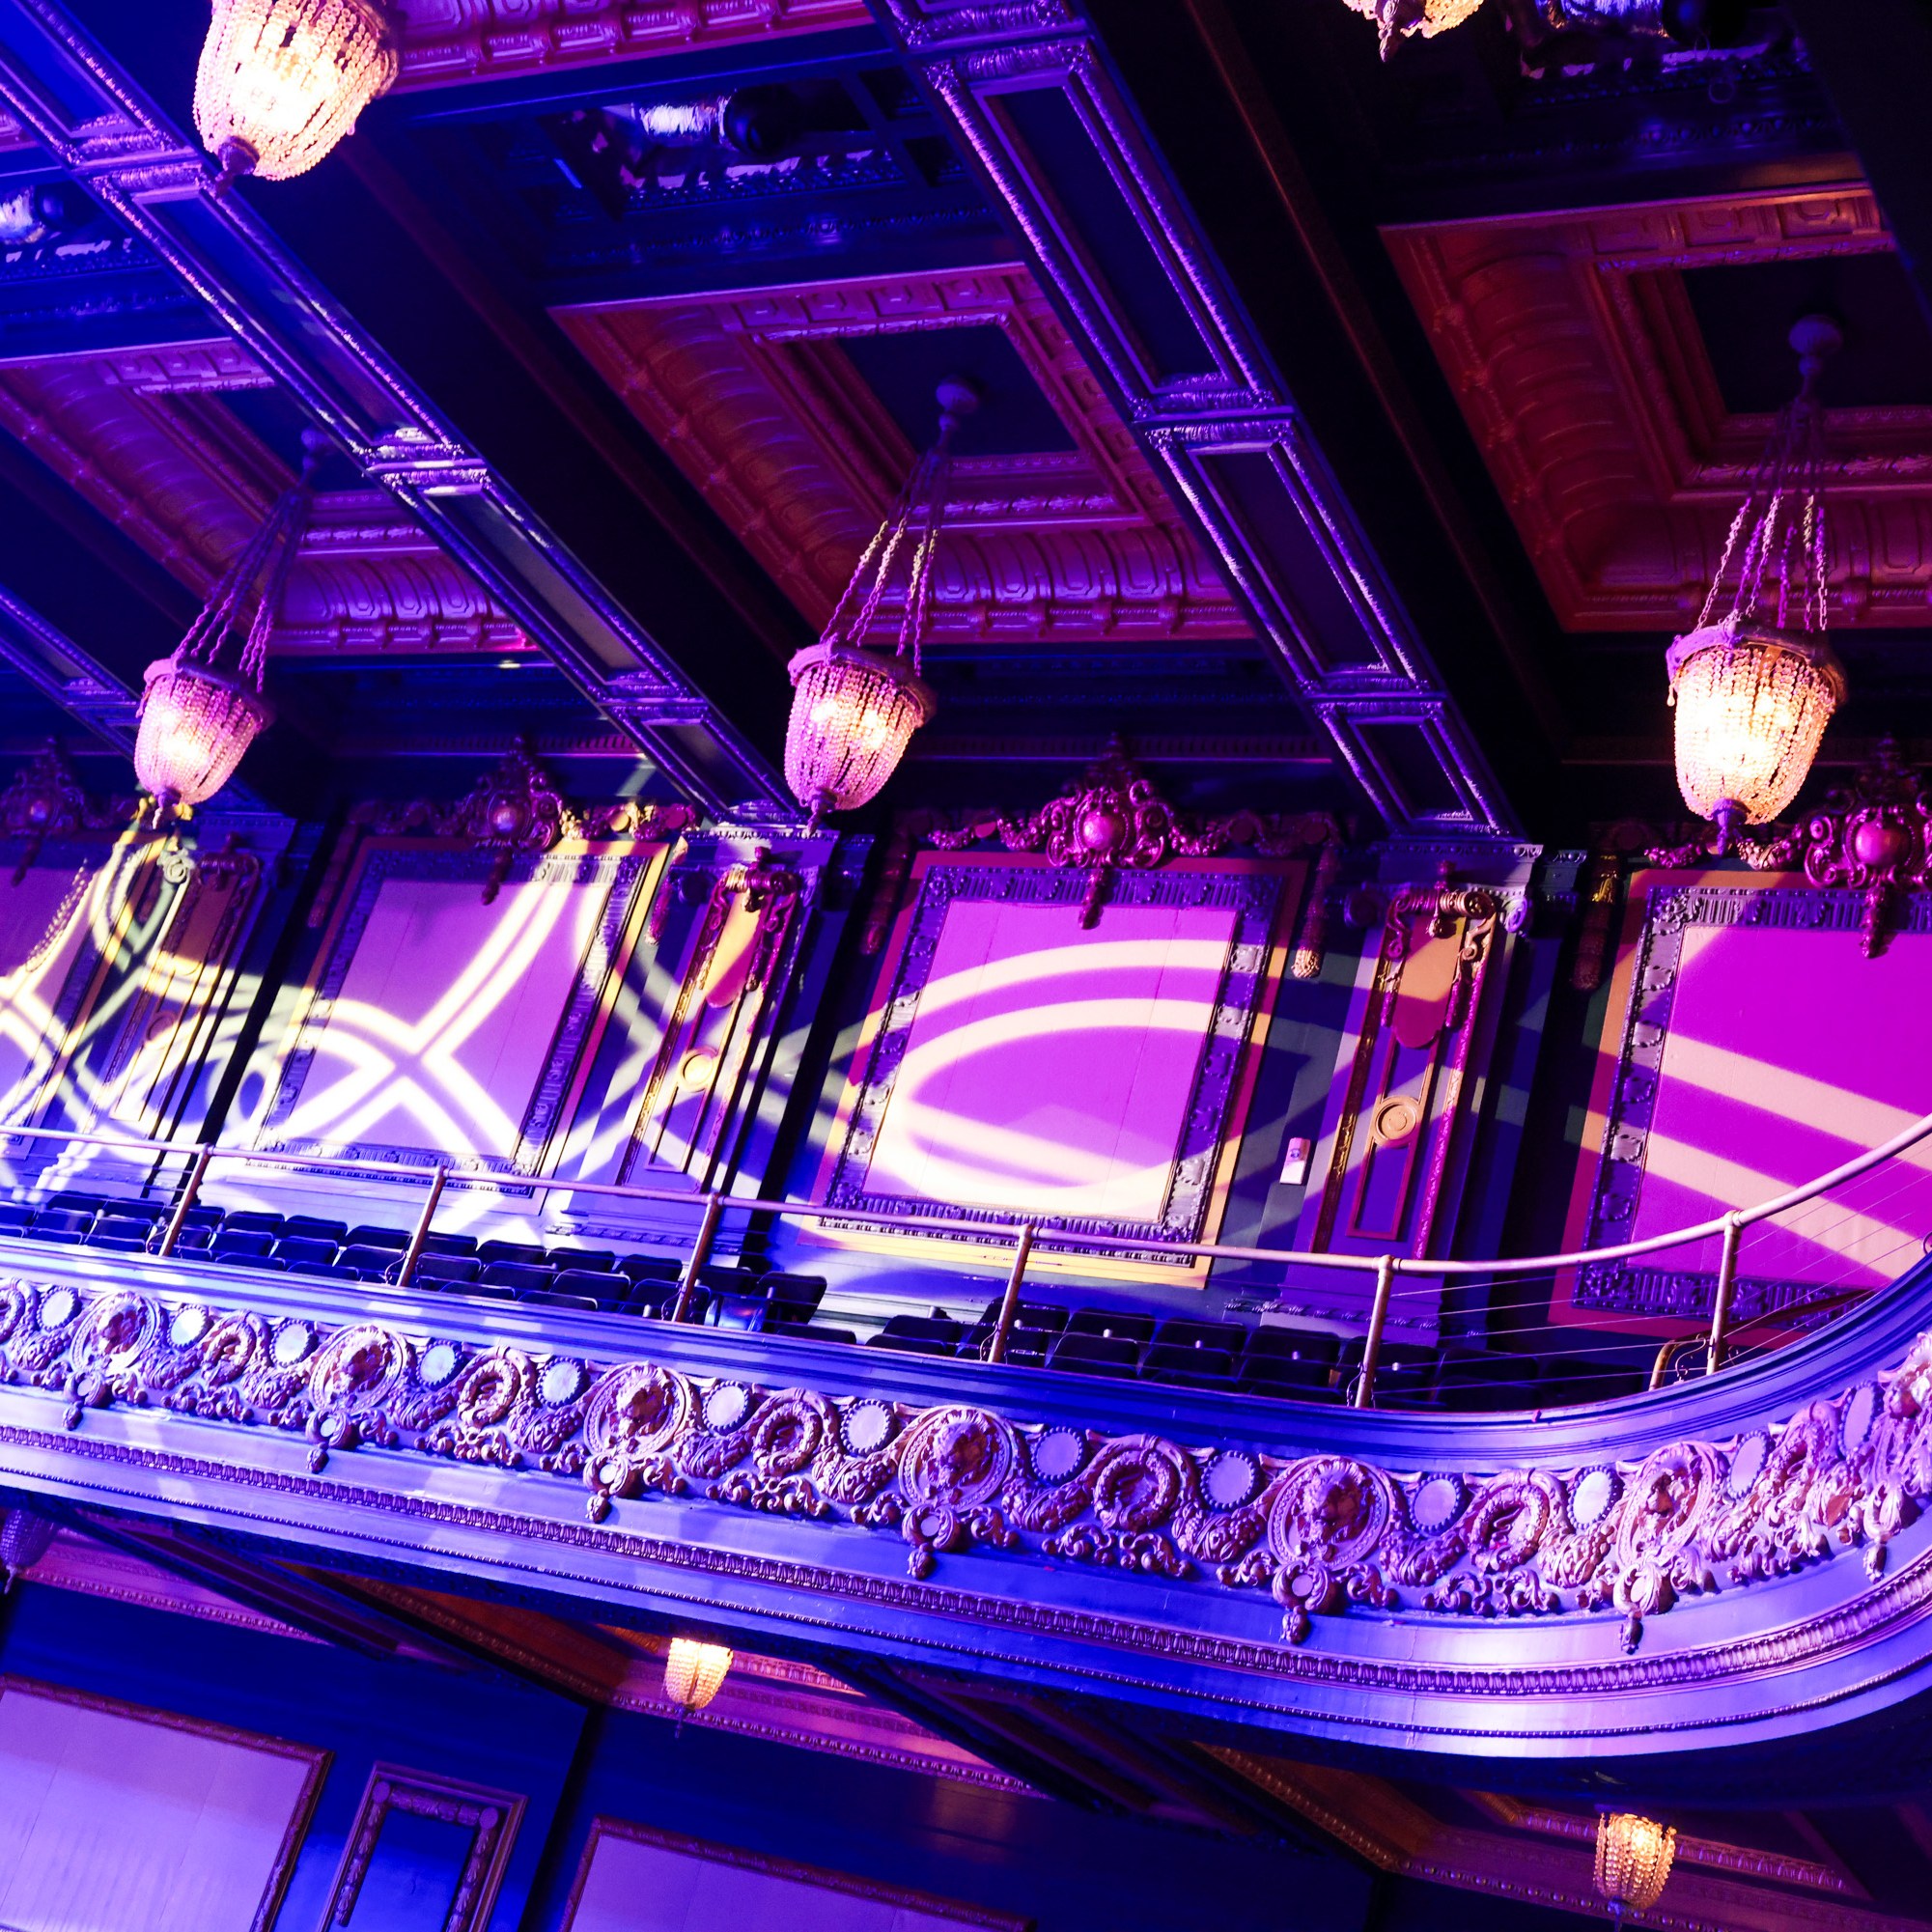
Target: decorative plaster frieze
{"points": [[447, 42], [1321, 1533], [1572, 345], [144, 436], [750, 395]]}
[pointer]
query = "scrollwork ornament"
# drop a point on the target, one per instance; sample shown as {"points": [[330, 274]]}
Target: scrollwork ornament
{"points": [[1326, 1535], [1116, 818]]}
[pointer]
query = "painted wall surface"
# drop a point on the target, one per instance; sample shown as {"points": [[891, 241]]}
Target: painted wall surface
{"points": [[483, 1728], [1067, 1871]]}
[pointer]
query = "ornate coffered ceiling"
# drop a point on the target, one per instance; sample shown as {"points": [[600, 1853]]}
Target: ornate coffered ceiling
{"points": [[449, 40], [754, 398], [1575, 350], [144, 436]]}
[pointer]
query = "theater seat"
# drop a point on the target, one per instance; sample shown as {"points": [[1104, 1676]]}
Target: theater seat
{"points": [[1096, 1355], [1189, 1367], [451, 1268], [492, 1251], [1228, 1335], [608, 1291], [242, 1244], [814, 1332], [373, 1263], [1112, 1323], [307, 1227], [519, 1278], [305, 1256], [63, 1224]]}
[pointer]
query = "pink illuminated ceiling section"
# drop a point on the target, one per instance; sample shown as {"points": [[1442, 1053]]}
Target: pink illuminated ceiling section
{"points": [[447, 1017], [1788, 1053], [1049, 1069]]}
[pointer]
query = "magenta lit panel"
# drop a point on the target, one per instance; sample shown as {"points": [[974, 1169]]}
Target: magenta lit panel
{"points": [[1049, 1069], [448, 1015], [1788, 1053]]}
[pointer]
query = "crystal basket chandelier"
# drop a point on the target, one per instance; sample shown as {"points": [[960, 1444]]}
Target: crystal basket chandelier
{"points": [[1753, 696], [1633, 1857], [854, 711], [281, 81], [695, 1674], [202, 705]]}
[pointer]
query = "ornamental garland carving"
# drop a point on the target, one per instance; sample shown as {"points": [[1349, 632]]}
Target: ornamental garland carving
{"points": [[1318, 1532], [1116, 818], [1874, 836]]}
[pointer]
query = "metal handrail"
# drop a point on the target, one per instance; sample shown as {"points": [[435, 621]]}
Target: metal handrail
{"points": [[1024, 1233]]}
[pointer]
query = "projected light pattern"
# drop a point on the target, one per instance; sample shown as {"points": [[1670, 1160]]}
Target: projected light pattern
{"points": [[446, 1016], [1049, 1069], [44, 925], [1761, 1086]]}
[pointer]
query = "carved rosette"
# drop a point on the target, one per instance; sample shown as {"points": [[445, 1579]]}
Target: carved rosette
{"points": [[1321, 1533]]}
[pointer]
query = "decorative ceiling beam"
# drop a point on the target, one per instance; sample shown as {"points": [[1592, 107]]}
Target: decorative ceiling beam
{"points": [[100, 126], [1032, 94], [59, 670], [490, 40]]}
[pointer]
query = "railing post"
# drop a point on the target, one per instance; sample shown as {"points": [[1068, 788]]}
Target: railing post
{"points": [[1378, 1317], [700, 1254], [415, 1252], [190, 1188], [1009, 1303], [1721, 1302]]}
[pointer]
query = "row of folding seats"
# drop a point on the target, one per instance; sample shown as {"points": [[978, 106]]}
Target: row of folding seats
{"points": [[573, 1278], [1301, 1364]]}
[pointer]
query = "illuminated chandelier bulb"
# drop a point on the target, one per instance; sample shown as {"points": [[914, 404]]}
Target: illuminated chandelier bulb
{"points": [[1751, 705], [853, 713], [1633, 1858], [854, 710], [695, 1674], [1752, 695], [280, 83], [202, 705]]}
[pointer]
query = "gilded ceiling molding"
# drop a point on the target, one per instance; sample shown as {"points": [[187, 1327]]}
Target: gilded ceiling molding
{"points": [[145, 438], [445, 41], [1572, 346], [751, 397], [1320, 1532]]}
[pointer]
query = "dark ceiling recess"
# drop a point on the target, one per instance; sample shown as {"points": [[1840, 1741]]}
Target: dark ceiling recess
{"points": [[1745, 313], [905, 369]]}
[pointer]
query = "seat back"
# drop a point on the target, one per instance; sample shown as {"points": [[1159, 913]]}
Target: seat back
{"points": [[1088, 1353], [1112, 1322], [1228, 1335]]}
